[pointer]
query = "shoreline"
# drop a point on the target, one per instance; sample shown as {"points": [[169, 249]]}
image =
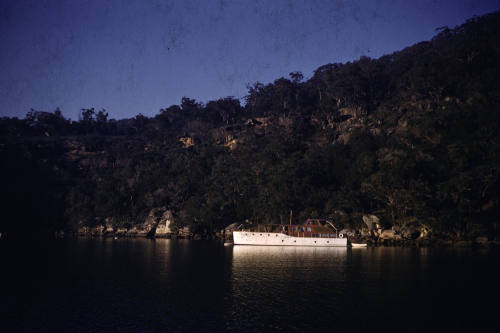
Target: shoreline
{"points": [[478, 242]]}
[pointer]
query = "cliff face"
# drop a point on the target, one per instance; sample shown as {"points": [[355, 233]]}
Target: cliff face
{"points": [[411, 137]]}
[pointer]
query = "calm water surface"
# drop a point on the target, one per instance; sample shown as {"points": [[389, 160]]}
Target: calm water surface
{"points": [[191, 286]]}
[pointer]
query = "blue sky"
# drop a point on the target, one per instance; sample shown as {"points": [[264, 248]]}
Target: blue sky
{"points": [[139, 56]]}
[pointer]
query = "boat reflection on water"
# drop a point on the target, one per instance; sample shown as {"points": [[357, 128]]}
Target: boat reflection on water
{"points": [[268, 259], [291, 280], [249, 251]]}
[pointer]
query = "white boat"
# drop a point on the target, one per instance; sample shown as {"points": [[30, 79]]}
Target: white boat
{"points": [[358, 244], [311, 233]]}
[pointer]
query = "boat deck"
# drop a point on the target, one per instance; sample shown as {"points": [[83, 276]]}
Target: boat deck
{"points": [[281, 239]]}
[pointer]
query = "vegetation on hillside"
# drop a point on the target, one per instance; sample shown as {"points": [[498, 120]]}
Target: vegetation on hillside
{"points": [[411, 137]]}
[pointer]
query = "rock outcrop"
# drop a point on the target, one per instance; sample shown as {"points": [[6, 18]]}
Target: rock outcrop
{"points": [[109, 229], [187, 141], [481, 240], [372, 222], [185, 232], [97, 230], [373, 226], [83, 231], [163, 228], [149, 227]]}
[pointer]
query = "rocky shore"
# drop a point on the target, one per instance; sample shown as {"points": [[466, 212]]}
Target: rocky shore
{"points": [[411, 234], [160, 224]]}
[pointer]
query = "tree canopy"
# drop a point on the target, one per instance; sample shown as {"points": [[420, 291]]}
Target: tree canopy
{"points": [[411, 136]]}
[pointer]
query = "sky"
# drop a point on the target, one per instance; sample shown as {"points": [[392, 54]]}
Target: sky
{"points": [[139, 56]]}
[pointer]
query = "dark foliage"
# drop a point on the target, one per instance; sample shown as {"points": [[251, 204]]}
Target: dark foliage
{"points": [[412, 137]]}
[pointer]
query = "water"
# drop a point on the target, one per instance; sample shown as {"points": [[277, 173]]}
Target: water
{"points": [[192, 286]]}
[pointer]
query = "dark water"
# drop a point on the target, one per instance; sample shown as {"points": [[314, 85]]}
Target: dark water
{"points": [[191, 286]]}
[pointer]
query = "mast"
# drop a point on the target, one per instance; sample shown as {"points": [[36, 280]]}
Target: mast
{"points": [[336, 231]]}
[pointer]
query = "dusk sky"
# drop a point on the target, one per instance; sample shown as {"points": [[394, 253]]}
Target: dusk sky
{"points": [[133, 57]]}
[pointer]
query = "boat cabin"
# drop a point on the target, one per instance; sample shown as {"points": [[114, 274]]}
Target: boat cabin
{"points": [[322, 228]]}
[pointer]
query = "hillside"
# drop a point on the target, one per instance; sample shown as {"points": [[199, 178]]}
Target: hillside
{"points": [[411, 137]]}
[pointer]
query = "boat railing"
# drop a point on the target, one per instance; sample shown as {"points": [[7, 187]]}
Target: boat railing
{"points": [[295, 234], [310, 234], [294, 230]]}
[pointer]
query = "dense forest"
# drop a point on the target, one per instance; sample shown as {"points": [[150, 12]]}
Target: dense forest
{"points": [[411, 137]]}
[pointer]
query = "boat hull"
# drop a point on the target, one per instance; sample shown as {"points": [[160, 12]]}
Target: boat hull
{"points": [[280, 239]]}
